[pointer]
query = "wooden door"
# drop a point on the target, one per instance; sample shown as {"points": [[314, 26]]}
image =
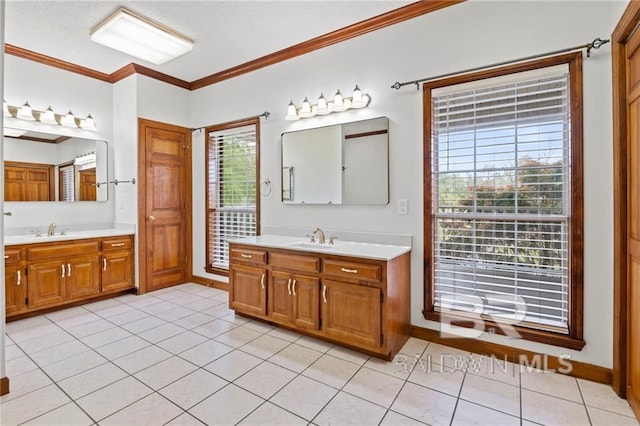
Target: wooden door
{"points": [[39, 184], [306, 302], [47, 283], [352, 314], [87, 185], [14, 286], [633, 222], [117, 271], [247, 289], [279, 296], [15, 183], [164, 205], [82, 277]]}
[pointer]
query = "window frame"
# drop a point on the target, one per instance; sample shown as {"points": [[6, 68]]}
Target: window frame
{"points": [[574, 339], [252, 121]]}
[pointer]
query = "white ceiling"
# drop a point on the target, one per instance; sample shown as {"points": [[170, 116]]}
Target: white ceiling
{"points": [[226, 33]]}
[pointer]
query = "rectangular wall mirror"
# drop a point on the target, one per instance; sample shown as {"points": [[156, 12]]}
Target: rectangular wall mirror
{"points": [[48, 167], [340, 164]]}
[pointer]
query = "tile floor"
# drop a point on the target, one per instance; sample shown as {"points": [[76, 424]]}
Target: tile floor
{"points": [[180, 357]]}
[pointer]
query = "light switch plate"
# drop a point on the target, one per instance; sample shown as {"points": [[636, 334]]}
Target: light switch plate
{"points": [[403, 206]]}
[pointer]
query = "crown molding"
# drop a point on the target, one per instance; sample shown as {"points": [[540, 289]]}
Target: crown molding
{"points": [[396, 16]]}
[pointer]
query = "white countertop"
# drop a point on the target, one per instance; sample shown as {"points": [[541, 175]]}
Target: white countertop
{"points": [[342, 248], [70, 235]]}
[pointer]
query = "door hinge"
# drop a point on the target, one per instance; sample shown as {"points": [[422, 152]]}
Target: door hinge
{"points": [[381, 339], [381, 298], [26, 271], [320, 323], [26, 301]]}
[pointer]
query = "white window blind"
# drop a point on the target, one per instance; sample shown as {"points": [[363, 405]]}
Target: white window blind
{"points": [[501, 198], [67, 183], [232, 190]]}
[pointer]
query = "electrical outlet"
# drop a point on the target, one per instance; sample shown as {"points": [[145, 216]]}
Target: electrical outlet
{"points": [[403, 206]]}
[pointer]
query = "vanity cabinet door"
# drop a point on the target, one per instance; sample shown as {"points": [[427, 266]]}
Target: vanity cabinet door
{"points": [[46, 281], [306, 302], [117, 271], [15, 285], [352, 313], [279, 296], [82, 277], [247, 289]]}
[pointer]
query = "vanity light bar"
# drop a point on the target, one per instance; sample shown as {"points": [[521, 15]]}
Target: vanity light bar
{"points": [[48, 116], [324, 107]]}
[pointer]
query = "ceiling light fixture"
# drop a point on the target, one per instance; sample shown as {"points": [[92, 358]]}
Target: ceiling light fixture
{"points": [[68, 120], [5, 109], [48, 116], [25, 112], [141, 37], [323, 107]]}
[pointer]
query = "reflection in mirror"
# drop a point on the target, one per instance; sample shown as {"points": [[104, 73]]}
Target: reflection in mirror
{"points": [[47, 167], [340, 164]]}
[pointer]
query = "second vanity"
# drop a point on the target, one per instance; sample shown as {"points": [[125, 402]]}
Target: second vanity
{"points": [[55, 271], [354, 294]]}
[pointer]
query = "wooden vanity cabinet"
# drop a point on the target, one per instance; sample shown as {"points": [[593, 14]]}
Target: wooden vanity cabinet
{"points": [[15, 282], [64, 272], [360, 303]]}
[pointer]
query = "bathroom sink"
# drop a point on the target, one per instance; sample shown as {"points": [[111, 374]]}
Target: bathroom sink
{"points": [[54, 237], [315, 246]]}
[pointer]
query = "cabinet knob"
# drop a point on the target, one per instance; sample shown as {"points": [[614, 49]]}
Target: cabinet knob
{"points": [[151, 218]]}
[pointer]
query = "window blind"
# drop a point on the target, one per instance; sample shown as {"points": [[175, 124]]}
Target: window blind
{"points": [[67, 183], [232, 190], [501, 198]]}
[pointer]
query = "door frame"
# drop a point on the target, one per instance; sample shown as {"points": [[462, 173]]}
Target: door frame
{"points": [[143, 123]]}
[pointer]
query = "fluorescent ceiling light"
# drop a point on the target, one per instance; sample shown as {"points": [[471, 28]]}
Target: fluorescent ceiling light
{"points": [[141, 37]]}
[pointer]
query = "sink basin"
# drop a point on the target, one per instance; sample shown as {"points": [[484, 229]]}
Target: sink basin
{"points": [[315, 246]]}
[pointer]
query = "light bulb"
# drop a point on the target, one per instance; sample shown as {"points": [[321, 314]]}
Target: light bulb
{"points": [[358, 100], [89, 123], [25, 112], [48, 116], [292, 113], [305, 111], [322, 108], [69, 120], [338, 102]]}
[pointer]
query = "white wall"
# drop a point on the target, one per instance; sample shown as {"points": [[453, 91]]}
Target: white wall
{"points": [[3, 369], [45, 86], [471, 34]]}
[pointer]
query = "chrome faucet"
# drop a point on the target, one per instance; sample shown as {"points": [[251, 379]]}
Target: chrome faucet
{"points": [[52, 230], [320, 235]]}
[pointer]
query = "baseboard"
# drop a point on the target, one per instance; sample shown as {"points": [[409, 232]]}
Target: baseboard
{"points": [[210, 283], [579, 369], [4, 385]]}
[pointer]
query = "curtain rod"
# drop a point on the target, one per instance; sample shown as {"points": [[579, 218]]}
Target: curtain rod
{"points": [[265, 114], [595, 44]]}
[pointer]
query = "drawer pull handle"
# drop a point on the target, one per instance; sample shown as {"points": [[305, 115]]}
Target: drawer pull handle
{"points": [[262, 281], [6, 256], [68, 269], [294, 287], [104, 263], [324, 293], [62, 276], [349, 271], [289, 286], [117, 244], [246, 256], [19, 277]]}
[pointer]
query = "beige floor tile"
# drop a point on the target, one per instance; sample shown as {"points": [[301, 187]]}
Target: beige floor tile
{"points": [[602, 396], [161, 374], [161, 333], [182, 342], [175, 313], [315, 344], [87, 329], [265, 346], [348, 354], [91, 380], [20, 365], [295, 357], [346, 409], [32, 405], [58, 353], [287, 335], [265, 380], [394, 419], [425, 405], [215, 328], [269, 414], [185, 419], [127, 317], [437, 378], [600, 417], [141, 359], [206, 352], [106, 401], [494, 368], [152, 410], [374, 386], [565, 387], [71, 366], [44, 342], [122, 347], [67, 415], [237, 404], [193, 388], [12, 352], [233, 365], [332, 371], [495, 395], [237, 337], [549, 410], [194, 320], [445, 355], [25, 383], [143, 324], [304, 397], [472, 414], [259, 326]]}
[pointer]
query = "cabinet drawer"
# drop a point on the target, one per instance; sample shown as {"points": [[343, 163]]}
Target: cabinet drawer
{"points": [[246, 255], [11, 256], [295, 262], [353, 270], [120, 243], [61, 251]]}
